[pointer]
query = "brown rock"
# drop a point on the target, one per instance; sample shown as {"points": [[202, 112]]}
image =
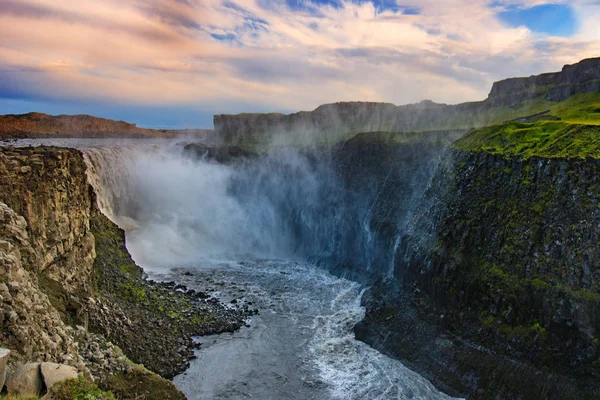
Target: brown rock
{"points": [[53, 373], [26, 381], [4, 353]]}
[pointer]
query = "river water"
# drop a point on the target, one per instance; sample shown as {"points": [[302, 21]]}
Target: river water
{"points": [[183, 224]]}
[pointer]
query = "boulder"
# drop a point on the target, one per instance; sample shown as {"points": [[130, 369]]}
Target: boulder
{"points": [[4, 353], [53, 373], [26, 381]]}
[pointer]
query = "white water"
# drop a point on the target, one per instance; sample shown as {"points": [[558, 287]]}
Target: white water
{"points": [[181, 213], [300, 346]]}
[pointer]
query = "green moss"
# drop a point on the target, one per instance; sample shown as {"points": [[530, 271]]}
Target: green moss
{"points": [[141, 384], [538, 139], [110, 249], [575, 135], [163, 315], [133, 292], [78, 389]]}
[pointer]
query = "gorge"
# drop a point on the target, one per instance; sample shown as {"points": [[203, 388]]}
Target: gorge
{"points": [[460, 240]]}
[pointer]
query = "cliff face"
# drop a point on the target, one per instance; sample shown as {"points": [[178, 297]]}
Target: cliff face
{"points": [[49, 189], [497, 279], [517, 245], [582, 77], [331, 123], [67, 283], [46, 207]]}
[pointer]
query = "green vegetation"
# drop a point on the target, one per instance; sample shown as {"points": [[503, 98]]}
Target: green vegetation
{"points": [[142, 384], [395, 138], [570, 129], [167, 318], [78, 389]]}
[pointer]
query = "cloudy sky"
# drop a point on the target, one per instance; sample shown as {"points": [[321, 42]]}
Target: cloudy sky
{"points": [[175, 63]]}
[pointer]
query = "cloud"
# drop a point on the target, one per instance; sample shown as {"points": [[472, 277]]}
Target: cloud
{"points": [[280, 55]]}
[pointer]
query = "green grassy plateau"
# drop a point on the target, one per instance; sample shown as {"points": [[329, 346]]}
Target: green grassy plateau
{"points": [[569, 129]]}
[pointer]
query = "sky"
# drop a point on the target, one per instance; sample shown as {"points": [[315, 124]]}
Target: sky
{"points": [[175, 63]]}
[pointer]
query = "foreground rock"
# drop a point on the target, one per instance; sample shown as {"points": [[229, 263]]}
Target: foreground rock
{"points": [[4, 354], [53, 373], [25, 381]]}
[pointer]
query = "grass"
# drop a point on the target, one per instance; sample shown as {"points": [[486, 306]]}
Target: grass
{"points": [[575, 132], [78, 389]]}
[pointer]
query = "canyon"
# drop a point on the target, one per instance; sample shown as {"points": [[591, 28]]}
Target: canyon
{"points": [[472, 229]]}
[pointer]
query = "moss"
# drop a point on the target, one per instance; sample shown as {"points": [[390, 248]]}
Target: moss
{"points": [[141, 384], [574, 132], [133, 292], [110, 249], [78, 389], [169, 319]]}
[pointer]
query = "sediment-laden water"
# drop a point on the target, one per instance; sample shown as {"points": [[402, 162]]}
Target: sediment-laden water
{"points": [[300, 345]]}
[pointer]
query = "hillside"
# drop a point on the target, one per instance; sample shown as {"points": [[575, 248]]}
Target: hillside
{"points": [[39, 125], [569, 129], [508, 100]]}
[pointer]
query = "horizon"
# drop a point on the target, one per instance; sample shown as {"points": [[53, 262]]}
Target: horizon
{"points": [[173, 64]]}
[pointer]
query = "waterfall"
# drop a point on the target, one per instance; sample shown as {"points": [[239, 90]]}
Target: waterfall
{"points": [[178, 208]]}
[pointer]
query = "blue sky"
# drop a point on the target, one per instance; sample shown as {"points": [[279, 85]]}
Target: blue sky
{"points": [[175, 63], [549, 19]]}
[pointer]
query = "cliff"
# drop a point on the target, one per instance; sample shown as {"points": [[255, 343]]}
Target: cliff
{"points": [[70, 291], [332, 123], [582, 77], [495, 285]]}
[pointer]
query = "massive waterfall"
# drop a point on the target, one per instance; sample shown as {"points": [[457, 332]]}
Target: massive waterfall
{"points": [[252, 230], [336, 207]]}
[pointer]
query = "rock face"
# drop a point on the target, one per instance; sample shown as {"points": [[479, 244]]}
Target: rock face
{"points": [[222, 154], [26, 381], [53, 373], [557, 86], [4, 354], [331, 123], [500, 265], [54, 285], [33, 329], [49, 189]]}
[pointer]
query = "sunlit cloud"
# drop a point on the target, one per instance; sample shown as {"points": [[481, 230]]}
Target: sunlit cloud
{"points": [[281, 55]]}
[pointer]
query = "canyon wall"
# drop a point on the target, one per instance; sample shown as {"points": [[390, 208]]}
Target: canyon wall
{"points": [[581, 77], [332, 123], [496, 279], [70, 292]]}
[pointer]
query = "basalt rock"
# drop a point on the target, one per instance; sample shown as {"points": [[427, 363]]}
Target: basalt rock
{"points": [[556, 86], [64, 268], [501, 260]]}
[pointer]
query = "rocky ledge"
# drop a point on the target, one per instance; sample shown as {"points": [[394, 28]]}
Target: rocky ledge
{"points": [[70, 292]]}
